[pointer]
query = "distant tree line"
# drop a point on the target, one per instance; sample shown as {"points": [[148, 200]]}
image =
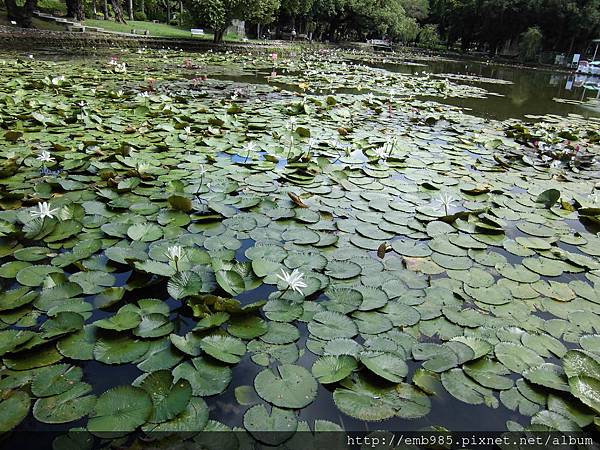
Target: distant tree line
{"points": [[555, 25], [486, 25]]}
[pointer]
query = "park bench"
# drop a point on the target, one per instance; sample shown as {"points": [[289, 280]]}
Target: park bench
{"points": [[197, 31], [76, 28], [142, 32], [380, 44]]}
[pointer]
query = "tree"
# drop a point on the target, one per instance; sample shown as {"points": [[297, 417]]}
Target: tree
{"points": [[429, 36], [118, 11], [264, 13], [419, 9], [78, 11], [295, 8], [21, 14], [531, 43], [218, 14]]}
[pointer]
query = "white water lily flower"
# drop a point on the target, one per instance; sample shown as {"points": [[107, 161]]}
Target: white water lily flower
{"points": [[202, 170], [445, 200], [291, 125], [382, 152], [294, 280], [250, 146], [143, 167], [44, 211], [175, 253], [45, 156]]}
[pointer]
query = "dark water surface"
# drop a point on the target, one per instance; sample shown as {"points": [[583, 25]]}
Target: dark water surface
{"points": [[532, 92]]}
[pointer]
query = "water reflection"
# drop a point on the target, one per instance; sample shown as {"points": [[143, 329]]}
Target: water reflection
{"points": [[530, 92]]}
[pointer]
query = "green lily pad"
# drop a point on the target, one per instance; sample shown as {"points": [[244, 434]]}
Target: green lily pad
{"points": [[145, 232], [386, 365], [224, 348], [70, 405], [331, 369], [125, 320], [272, 429], [290, 387], [207, 377], [119, 411], [328, 325], [168, 398], [13, 410]]}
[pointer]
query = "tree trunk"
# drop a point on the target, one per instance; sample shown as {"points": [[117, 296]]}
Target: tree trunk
{"points": [[94, 9], [118, 11], [78, 10], [70, 8], [21, 14], [130, 9], [180, 13], [218, 38], [143, 6], [168, 11], [105, 9], [571, 45]]}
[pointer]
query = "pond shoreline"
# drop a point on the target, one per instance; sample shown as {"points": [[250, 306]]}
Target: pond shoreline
{"points": [[12, 38], [31, 39]]}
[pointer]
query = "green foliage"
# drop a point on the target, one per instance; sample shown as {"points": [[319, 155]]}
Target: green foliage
{"points": [[564, 25], [140, 15], [531, 43], [429, 36], [218, 14]]}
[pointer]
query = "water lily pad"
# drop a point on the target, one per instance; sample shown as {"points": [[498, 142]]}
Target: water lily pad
{"points": [[193, 419], [342, 270], [35, 275], [247, 327], [70, 405], [224, 348], [517, 357], [207, 377], [145, 232], [330, 325], [290, 387], [16, 298], [489, 373], [494, 295], [125, 320], [363, 400], [466, 390], [386, 365], [54, 380], [13, 410], [280, 333], [119, 349], [331, 369], [548, 375], [168, 398], [10, 339], [120, 410], [271, 429]]}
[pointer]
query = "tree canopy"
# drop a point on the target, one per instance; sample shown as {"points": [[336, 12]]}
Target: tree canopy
{"points": [[486, 25]]}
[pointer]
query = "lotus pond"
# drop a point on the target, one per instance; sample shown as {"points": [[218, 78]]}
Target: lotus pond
{"points": [[309, 242]]}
